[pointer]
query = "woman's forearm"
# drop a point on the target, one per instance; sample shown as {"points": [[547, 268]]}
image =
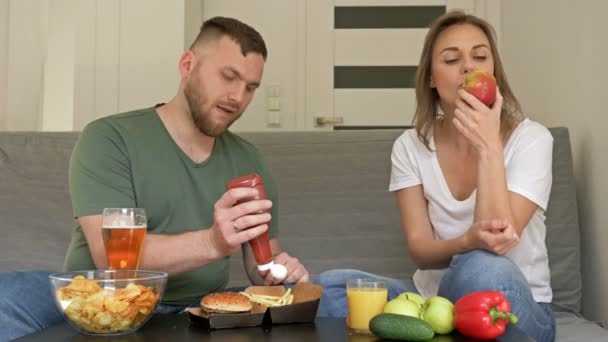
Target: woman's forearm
{"points": [[437, 254], [492, 198]]}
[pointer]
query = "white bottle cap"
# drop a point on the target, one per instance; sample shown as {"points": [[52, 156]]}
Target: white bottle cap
{"points": [[265, 267], [278, 271]]}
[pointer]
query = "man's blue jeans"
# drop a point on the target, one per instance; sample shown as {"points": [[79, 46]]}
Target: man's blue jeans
{"points": [[474, 271], [27, 304]]}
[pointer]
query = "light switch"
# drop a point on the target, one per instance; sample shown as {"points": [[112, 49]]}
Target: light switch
{"points": [[274, 104], [276, 118], [273, 119], [274, 90]]}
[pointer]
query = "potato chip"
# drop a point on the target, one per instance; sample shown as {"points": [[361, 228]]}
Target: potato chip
{"points": [[103, 319], [115, 306], [144, 295], [100, 310], [80, 284], [128, 293]]}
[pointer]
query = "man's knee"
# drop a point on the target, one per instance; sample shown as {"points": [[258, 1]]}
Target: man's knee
{"points": [[13, 285], [27, 303]]}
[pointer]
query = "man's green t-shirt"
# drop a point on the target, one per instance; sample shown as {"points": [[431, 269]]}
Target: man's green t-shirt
{"points": [[129, 160]]}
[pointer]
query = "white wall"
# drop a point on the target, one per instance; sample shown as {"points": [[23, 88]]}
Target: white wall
{"points": [[4, 15], [23, 63], [193, 20], [277, 21], [555, 52], [92, 53], [83, 59], [64, 63], [151, 42], [58, 29]]}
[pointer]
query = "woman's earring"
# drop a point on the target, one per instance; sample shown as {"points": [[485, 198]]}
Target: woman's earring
{"points": [[439, 115], [432, 83]]}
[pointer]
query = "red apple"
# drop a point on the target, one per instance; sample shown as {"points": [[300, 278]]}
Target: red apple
{"points": [[482, 85]]}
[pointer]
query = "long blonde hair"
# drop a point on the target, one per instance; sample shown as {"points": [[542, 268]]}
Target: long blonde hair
{"points": [[427, 98]]}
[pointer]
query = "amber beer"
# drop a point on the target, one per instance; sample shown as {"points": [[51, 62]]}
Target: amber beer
{"points": [[123, 231]]}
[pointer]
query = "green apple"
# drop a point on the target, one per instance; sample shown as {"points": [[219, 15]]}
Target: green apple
{"points": [[414, 297], [439, 313], [402, 307]]}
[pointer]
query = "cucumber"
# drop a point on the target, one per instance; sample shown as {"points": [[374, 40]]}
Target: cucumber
{"points": [[399, 327]]}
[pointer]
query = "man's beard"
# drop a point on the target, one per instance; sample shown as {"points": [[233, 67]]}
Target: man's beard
{"points": [[203, 120]]}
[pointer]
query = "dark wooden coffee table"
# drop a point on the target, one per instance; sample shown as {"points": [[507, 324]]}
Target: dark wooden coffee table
{"points": [[178, 328]]}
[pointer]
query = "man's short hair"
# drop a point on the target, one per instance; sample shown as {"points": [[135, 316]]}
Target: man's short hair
{"points": [[246, 36]]}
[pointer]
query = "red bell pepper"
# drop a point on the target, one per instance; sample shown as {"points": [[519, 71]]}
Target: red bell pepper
{"points": [[483, 315]]}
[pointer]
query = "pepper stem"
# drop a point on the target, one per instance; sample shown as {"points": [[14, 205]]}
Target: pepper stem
{"points": [[495, 314]]}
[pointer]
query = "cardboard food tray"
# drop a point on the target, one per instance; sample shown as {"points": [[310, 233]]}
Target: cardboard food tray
{"points": [[303, 309]]}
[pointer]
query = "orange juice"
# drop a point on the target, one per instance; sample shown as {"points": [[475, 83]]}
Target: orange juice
{"points": [[363, 304]]}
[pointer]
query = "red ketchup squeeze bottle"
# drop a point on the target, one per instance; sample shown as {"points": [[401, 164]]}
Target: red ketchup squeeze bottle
{"points": [[261, 244]]}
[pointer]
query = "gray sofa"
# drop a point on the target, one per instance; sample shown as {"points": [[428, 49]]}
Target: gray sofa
{"points": [[335, 210]]}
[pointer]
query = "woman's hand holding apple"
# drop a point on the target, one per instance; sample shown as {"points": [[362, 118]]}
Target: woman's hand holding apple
{"points": [[479, 123]]}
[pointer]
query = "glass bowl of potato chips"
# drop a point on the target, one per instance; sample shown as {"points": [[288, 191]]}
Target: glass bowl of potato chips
{"points": [[110, 302]]}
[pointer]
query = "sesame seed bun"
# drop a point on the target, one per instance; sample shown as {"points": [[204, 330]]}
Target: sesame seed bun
{"points": [[226, 302]]}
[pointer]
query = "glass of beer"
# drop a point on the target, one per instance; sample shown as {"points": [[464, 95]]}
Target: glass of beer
{"points": [[123, 231]]}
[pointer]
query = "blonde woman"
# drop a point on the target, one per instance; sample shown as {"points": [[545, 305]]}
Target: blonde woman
{"points": [[472, 183]]}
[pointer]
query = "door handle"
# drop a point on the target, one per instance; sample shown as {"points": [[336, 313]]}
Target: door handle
{"points": [[321, 121]]}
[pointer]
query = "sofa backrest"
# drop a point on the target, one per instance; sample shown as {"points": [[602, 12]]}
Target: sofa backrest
{"points": [[35, 208], [563, 229], [334, 212]]}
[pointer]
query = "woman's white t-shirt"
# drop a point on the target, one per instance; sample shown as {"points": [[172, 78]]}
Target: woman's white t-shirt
{"points": [[528, 157]]}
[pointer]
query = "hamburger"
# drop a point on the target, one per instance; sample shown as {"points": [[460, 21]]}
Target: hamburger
{"points": [[226, 302]]}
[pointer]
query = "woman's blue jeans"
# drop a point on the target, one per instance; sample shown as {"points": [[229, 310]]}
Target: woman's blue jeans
{"points": [[470, 272]]}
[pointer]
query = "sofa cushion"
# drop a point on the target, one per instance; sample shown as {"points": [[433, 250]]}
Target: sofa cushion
{"points": [[572, 327]]}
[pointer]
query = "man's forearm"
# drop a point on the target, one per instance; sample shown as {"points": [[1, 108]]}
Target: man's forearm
{"points": [[178, 253]]}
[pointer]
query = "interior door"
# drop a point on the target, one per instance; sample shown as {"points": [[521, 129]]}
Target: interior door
{"points": [[362, 57]]}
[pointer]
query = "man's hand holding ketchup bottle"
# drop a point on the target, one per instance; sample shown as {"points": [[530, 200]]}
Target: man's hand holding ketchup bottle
{"points": [[242, 215]]}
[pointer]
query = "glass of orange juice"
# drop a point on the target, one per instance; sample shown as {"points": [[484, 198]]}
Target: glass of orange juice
{"points": [[366, 299], [123, 231]]}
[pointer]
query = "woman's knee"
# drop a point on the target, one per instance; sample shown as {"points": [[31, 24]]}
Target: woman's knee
{"points": [[483, 264], [339, 277], [479, 258], [480, 270]]}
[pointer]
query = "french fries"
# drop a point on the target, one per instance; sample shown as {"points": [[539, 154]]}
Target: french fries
{"points": [[285, 299]]}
